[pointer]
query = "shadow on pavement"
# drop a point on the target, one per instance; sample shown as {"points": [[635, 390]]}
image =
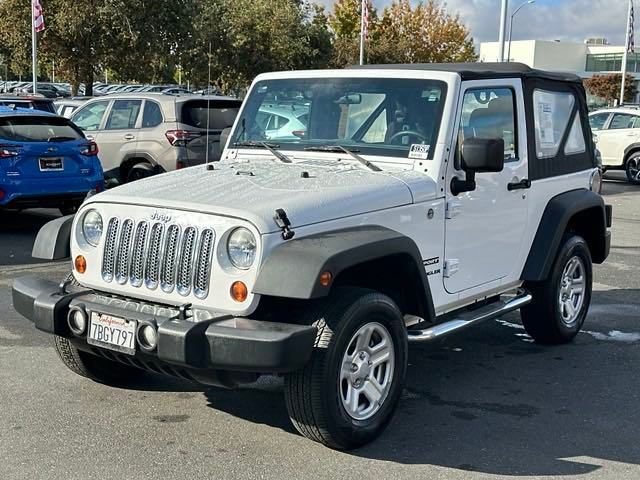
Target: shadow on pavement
{"points": [[18, 231], [491, 401]]}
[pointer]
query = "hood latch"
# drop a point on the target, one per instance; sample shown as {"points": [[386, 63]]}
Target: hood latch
{"points": [[284, 223]]}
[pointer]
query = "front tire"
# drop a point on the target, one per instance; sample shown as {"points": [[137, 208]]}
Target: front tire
{"points": [[347, 393], [94, 368], [560, 303], [632, 169], [89, 366]]}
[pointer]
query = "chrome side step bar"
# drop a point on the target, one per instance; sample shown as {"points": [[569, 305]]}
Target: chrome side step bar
{"points": [[488, 312]]}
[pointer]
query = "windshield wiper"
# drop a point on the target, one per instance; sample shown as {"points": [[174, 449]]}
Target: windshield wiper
{"points": [[269, 146], [352, 153], [60, 139]]}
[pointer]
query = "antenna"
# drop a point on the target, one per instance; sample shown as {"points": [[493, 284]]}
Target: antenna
{"points": [[208, 107]]}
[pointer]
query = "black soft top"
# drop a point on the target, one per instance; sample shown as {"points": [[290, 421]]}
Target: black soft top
{"points": [[483, 71]]}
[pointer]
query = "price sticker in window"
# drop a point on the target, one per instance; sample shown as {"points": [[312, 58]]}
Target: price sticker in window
{"points": [[419, 151]]}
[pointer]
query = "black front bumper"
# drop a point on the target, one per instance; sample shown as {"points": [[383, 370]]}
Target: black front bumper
{"points": [[220, 343]]}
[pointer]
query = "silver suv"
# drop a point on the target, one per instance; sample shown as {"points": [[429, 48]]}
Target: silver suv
{"points": [[141, 134]]}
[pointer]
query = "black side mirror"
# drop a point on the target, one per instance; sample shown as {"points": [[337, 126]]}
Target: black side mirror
{"points": [[224, 136], [478, 155]]}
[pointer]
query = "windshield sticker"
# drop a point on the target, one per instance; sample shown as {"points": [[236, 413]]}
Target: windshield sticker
{"points": [[419, 151]]}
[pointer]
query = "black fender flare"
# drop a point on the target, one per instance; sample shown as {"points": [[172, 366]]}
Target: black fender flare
{"points": [[53, 241], [293, 269], [553, 225]]}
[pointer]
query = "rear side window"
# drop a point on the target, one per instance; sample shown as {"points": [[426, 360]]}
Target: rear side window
{"points": [[219, 114], [124, 114], [38, 129], [552, 114], [562, 138], [623, 120], [152, 116]]}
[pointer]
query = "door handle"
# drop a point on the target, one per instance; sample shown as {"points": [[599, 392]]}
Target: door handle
{"points": [[89, 137], [521, 185], [129, 136]]}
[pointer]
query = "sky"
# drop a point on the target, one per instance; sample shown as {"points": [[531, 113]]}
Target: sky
{"points": [[569, 20]]}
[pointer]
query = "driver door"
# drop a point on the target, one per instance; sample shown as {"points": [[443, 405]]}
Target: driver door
{"points": [[484, 228]]}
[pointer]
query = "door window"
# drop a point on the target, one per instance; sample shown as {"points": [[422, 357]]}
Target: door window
{"points": [[489, 113], [152, 116], [597, 121], [622, 120], [124, 114], [89, 118]]}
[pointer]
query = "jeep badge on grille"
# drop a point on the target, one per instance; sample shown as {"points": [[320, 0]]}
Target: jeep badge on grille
{"points": [[161, 217]]}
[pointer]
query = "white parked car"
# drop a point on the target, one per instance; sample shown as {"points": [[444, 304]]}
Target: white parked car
{"points": [[283, 122], [422, 199], [617, 133]]}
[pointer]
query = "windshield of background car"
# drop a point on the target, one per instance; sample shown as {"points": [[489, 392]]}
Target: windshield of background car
{"points": [[376, 116], [221, 113], [37, 129]]}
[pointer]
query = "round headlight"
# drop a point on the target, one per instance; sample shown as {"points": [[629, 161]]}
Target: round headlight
{"points": [[92, 227], [241, 248]]}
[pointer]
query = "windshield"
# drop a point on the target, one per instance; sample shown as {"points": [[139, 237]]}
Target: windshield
{"points": [[376, 116]]}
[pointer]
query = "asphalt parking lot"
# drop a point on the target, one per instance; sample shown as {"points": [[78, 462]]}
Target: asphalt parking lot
{"points": [[487, 403]]}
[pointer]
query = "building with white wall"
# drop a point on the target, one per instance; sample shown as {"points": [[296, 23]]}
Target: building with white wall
{"points": [[594, 56]]}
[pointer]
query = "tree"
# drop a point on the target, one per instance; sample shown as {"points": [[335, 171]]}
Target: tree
{"points": [[403, 34], [608, 87], [15, 35], [256, 36]]}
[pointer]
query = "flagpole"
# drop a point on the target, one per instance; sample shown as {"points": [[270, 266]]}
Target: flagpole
{"points": [[362, 7], [626, 52], [34, 51]]}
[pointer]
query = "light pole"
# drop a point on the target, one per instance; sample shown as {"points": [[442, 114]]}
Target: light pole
{"points": [[529, 2]]}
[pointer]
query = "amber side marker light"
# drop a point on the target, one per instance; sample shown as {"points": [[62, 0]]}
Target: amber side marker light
{"points": [[239, 291], [325, 278], [80, 264]]}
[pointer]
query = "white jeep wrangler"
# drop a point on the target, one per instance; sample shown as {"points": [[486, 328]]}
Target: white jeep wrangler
{"points": [[418, 200]]}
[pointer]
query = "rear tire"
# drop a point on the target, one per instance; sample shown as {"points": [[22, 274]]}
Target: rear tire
{"points": [[561, 302], [360, 355], [139, 171], [632, 168]]}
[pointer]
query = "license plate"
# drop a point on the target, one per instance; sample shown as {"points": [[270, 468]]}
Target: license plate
{"points": [[51, 164], [111, 332]]}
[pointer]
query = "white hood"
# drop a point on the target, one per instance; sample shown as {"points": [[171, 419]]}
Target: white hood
{"points": [[310, 191]]}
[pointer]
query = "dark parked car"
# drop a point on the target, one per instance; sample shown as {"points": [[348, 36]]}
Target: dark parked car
{"points": [[34, 102]]}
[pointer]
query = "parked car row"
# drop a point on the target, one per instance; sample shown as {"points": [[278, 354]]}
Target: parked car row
{"points": [[64, 90], [54, 160]]}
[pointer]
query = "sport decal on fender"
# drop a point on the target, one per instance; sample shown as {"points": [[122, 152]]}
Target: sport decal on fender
{"points": [[431, 261]]}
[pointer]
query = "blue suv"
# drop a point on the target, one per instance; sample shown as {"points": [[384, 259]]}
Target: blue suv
{"points": [[45, 161]]}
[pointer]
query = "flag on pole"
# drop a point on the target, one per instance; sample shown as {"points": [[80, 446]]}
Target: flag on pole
{"points": [[38, 17], [365, 18], [631, 44]]}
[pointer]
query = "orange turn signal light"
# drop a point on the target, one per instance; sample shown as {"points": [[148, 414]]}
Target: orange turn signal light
{"points": [[325, 278], [81, 264], [239, 292]]}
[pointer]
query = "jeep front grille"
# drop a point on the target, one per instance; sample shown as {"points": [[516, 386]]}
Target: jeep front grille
{"points": [[154, 254]]}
